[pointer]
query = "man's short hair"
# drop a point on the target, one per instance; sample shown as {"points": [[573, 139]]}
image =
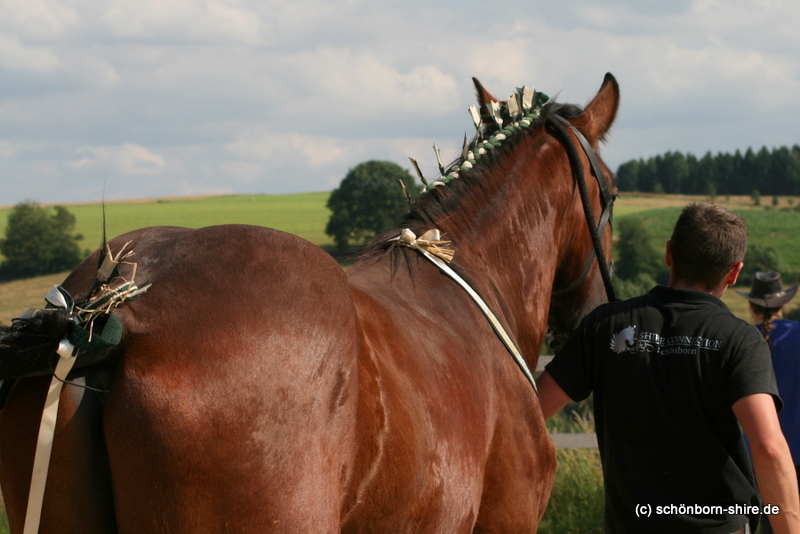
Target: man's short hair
{"points": [[706, 242]]}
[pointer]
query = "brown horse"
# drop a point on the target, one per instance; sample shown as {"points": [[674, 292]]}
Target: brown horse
{"points": [[260, 388]]}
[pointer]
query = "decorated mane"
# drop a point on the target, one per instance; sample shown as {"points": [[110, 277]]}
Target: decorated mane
{"points": [[520, 111], [500, 127]]}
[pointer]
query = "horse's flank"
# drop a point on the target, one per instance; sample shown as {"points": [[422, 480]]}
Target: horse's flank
{"points": [[259, 388]]}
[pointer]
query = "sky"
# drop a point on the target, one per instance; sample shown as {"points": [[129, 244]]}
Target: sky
{"points": [[161, 98]]}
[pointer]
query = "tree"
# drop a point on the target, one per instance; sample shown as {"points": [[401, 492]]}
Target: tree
{"points": [[702, 176], [636, 254], [627, 176], [38, 241], [775, 172], [760, 258], [672, 170], [369, 201], [633, 287]]}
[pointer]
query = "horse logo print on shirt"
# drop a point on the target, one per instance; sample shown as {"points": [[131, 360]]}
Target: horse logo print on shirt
{"points": [[624, 340]]}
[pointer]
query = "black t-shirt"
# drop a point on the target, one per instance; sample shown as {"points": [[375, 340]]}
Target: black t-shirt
{"points": [[665, 369]]}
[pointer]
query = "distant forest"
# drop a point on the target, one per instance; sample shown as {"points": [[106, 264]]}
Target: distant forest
{"points": [[765, 172]]}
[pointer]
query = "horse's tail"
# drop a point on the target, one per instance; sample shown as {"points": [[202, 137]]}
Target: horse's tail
{"points": [[28, 346]]}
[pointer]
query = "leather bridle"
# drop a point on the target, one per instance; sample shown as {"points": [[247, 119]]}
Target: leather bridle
{"points": [[560, 125]]}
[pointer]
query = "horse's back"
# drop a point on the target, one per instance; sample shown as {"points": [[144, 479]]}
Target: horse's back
{"points": [[232, 397]]}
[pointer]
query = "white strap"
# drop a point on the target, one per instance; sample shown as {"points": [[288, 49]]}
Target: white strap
{"points": [[47, 428], [487, 312]]}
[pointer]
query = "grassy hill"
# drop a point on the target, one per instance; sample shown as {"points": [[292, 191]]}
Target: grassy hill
{"points": [[306, 215], [302, 214]]}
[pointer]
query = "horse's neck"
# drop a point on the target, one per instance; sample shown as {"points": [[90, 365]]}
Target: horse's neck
{"points": [[508, 254], [512, 263]]}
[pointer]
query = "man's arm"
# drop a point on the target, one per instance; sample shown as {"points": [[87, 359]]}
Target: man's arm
{"points": [[551, 397], [772, 461]]}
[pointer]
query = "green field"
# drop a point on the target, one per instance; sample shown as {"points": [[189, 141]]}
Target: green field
{"points": [[772, 228], [778, 228], [306, 215], [302, 214]]}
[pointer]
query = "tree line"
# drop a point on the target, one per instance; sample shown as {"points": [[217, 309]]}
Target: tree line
{"points": [[775, 172], [370, 200]]}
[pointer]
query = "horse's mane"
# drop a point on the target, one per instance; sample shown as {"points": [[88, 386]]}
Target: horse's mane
{"points": [[477, 184]]}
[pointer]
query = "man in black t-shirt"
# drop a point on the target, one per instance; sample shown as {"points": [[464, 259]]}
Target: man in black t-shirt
{"points": [[674, 374]]}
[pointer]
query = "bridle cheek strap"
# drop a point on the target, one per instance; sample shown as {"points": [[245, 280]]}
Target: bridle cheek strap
{"points": [[595, 231]]}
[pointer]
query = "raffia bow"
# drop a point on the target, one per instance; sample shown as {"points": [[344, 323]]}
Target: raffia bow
{"points": [[110, 290], [431, 242]]}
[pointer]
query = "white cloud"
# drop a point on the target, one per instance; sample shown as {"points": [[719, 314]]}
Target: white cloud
{"points": [[128, 159], [260, 144], [174, 96], [8, 148], [191, 188], [17, 56], [204, 22], [44, 20], [338, 81]]}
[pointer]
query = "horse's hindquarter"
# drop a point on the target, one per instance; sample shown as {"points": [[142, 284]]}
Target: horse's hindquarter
{"points": [[232, 408], [252, 396], [462, 443], [81, 499]]}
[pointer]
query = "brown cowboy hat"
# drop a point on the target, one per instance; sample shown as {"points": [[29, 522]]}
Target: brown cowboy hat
{"points": [[767, 290]]}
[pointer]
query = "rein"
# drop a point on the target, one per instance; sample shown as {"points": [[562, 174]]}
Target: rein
{"points": [[595, 231]]}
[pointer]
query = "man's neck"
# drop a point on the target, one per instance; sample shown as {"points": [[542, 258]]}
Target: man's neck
{"points": [[683, 284]]}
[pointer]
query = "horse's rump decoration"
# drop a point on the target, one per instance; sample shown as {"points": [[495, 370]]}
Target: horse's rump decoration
{"points": [[248, 394], [90, 329], [90, 326]]}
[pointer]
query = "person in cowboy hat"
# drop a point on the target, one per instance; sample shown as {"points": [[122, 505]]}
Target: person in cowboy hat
{"points": [[767, 298]]}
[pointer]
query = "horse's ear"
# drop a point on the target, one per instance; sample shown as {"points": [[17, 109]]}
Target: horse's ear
{"points": [[599, 114], [484, 98]]}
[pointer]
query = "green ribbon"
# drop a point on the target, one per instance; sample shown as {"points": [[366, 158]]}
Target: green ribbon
{"points": [[104, 329], [108, 336]]}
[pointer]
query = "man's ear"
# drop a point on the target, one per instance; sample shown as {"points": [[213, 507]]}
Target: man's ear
{"points": [[734, 274], [668, 254]]}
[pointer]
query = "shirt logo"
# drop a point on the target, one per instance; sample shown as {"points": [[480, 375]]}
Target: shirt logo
{"points": [[628, 340], [625, 340]]}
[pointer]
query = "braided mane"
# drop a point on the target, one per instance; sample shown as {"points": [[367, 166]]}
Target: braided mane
{"points": [[445, 198]]}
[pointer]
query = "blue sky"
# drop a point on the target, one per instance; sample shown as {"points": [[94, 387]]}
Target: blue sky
{"points": [[162, 98]]}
